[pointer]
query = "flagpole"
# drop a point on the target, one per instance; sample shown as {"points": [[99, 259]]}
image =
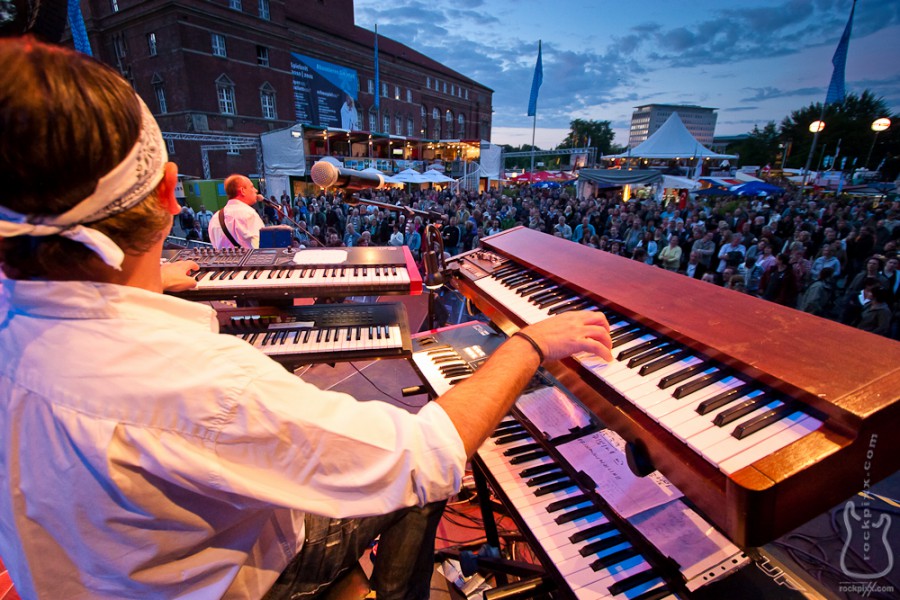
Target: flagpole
{"points": [[533, 130], [532, 102]]}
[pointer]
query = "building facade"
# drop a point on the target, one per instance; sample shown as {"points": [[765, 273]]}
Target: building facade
{"points": [[700, 121], [217, 73]]}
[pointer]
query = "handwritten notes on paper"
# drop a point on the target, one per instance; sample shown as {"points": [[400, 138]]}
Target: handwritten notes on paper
{"points": [[601, 456], [552, 412]]}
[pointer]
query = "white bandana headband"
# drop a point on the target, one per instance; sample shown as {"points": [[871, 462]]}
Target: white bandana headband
{"points": [[125, 186]]}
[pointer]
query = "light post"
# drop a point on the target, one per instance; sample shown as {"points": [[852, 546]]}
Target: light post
{"points": [[815, 128], [878, 125]]}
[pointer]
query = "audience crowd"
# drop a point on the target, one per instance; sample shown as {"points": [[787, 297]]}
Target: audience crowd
{"points": [[836, 258]]}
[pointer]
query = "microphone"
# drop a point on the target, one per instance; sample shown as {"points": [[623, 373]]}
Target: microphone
{"points": [[326, 175]]}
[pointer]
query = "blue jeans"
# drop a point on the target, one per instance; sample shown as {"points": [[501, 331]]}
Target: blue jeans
{"points": [[402, 568]]}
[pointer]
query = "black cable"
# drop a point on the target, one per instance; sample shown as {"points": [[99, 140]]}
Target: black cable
{"points": [[375, 385]]}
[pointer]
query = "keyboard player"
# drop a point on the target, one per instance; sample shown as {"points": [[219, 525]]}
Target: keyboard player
{"points": [[146, 455]]}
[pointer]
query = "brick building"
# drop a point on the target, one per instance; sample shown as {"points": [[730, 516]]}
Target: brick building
{"points": [[226, 70]]}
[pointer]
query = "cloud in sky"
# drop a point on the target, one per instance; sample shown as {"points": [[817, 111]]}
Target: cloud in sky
{"points": [[599, 63]]}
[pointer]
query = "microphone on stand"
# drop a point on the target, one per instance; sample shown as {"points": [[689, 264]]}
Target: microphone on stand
{"points": [[278, 207], [327, 175]]}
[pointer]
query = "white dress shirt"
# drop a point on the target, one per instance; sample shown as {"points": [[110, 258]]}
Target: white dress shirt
{"points": [[143, 455], [242, 221]]}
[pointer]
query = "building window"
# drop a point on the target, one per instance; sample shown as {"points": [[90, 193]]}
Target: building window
{"points": [[398, 125], [448, 117], [160, 91], [467, 94], [218, 45], [410, 128], [267, 101], [371, 86], [114, 5], [234, 4], [262, 56], [408, 95], [264, 10], [384, 90], [373, 120], [151, 43], [170, 147], [428, 82], [119, 48], [386, 123], [225, 94], [460, 127], [445, 87]]}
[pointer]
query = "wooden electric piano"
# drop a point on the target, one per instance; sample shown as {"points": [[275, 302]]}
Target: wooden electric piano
{"points": [[764, 416]]}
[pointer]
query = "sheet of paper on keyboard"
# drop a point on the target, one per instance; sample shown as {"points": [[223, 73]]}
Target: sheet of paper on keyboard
{"points": [[701, 551], [552, 412], [601, 456]]}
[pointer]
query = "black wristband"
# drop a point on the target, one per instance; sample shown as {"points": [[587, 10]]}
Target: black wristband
{"points": [[533, 343]]}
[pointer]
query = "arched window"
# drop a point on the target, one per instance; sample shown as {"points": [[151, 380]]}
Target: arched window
{"points": [[225, 94], [448, 117], [460, 126], [373, 119], [424, 125], [267, 101], [435, 123], [386, 122]]}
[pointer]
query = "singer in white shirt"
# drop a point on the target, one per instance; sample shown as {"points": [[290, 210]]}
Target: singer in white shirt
{"points": [[241, 219]]}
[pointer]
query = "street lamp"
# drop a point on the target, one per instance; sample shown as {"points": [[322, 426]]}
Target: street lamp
{"points": [[878, 125], [815, 128]]}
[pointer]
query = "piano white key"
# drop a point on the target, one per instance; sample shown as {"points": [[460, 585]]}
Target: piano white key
{"points": [[800, 425]]}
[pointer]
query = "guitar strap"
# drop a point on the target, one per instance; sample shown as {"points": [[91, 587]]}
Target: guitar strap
{"points": [[225, 229]]}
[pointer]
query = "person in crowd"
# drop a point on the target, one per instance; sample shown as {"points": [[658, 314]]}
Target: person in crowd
{"points": [[818, 299], [779, 284], [174, 460], [752, 274], [670, 256], [876, 315], [351, 237], [731, 253], [705, 248], [413, 240], [826, 259], [237, 224], [694, 268], [204, 216], [195, 234]]}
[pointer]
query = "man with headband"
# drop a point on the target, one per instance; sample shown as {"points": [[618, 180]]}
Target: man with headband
{"points": [[144, 455]]}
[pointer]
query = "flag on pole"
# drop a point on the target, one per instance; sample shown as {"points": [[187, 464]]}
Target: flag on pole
{"points": [[377, 82], [836, 89], [536, 83]]}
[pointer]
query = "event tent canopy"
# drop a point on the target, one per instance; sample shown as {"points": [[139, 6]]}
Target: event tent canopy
{"points": [[672, 140], [619, 177]]}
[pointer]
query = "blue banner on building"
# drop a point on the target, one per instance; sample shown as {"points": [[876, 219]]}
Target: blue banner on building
{"points": [[325, 94]]}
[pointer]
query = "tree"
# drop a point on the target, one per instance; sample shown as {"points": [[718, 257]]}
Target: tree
{"points": [[847, 134], [759, 148], [596, 134]]}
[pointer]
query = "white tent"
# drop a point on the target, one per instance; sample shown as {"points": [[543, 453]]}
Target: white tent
{"points": [[409, 176], [672, 140], [681, 183], [435, 176]]}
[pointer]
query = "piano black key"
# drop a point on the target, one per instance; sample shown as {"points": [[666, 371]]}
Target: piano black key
{"points": [[558, 505], [349, 334], [512, 437], [545, 478], [267, 339], [536, 470], [684, 374], [623, 585], [458, 379], [628, 337], [297, 333], [726, 397], [605, 544], [318, 336], [282, 337], [660, 350], [578, 513], [524, 448], [538, 298], [570, 305], [553, 487], [358, 333], [327, 335], [555, 298], [730, 415], [624, 329], [698, 384], [593, 531], [524, 458], [611, 560], [506, 427], [764, 420], [635, 350], [306, 336], [534, 287], [664, 362], [537, 291]]}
